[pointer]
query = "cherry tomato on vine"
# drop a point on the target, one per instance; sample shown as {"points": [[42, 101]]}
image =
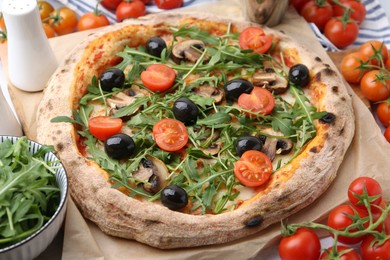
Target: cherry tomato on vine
{"points": [[130, 9], [376, 214], [383, 113], [92, 20], [358, 12], [373, 88], [339, 219], [168, 4], [298, 4], [370, 47], [376, 251], [253, 168], [145, 1], [254, 38], [110, 4], [362, 185], [260, 100], [304, 244], [45, 8], [63, 20], [319, 15], [103, 127], [387, 134], [341, 34], [342, 253], [158, 77], [2, 23], [170, 134], [349, 66], [49, 31]]}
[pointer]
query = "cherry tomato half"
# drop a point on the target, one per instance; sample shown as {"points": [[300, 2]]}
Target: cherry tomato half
{"points": [[319, 15], [338, 219], [103, 127], [387, 134], [376, 251], [370, 47], [358, 10], [373, 88], [260, 100], [63, 20], [170, 134], [349, 66], [254, 38], [110, 4], [304, 244], [340, 34], [158, 77], [253, 168], [341, 254], [45, 8], [361, 185], [168, 4], [91, 21], [133, 9]]}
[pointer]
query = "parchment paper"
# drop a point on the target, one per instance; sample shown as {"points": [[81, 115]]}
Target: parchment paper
{"points": [[368, 155]]}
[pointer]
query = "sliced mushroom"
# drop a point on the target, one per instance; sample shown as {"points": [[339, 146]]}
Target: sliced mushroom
{"points": [[189, 50], [284, 146], [273, 145], [123, 99], [154, 173], [271, 81], [269, 147], [213, 149], [209, 91]]}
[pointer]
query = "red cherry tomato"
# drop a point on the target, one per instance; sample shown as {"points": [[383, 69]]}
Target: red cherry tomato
{"points": [[49, 31], [45, 8], [170, 134], [358, 10], [103, 127], [91, 21], [259, 101], [340, 34], [383, 113], [370, 47], [63, 20], [319, 15], [387, 134], [376, 251], [342, 253], [133, 9], [304, 244], [373, 88], [253, 168], [349, 66], [376, 214], [298, 4], [111, 4], [254, 38], [362, 185], [338, 219], [158, 77], [168, 4]]}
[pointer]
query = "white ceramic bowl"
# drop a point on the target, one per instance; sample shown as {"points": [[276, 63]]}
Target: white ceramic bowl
{"points": [[35, 244]]}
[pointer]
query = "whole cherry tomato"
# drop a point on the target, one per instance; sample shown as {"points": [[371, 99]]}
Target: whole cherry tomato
{"points": [[110, 4], [370, 47], [168, 4], [130, 9], [377, 213], [158, 77], [260, 100], [341, 34], [254, 38], [383, 113], [374, 251], [49, 31], [362, 185], [342, 253], [253, 168], [298, 4], [103, 127], [358, 10], [63, 20], [304, 244], [349, 66], [373, 87], [92, 20], [387, 134], [338, 219], [2, 23], [170, 134], [45, 8], [319, 15]]}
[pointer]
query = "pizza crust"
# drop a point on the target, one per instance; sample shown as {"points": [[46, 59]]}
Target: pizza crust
{"points": [[150, 223]]}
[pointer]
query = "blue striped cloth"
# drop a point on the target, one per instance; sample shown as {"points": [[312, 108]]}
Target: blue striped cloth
{"points": [[375, 26]]}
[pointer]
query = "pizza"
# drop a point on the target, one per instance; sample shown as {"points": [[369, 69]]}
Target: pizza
{"points": [[183, 130]]}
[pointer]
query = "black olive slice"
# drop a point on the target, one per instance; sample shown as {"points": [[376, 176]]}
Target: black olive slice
{"points": [[112, 78], [174, 197], [328, 118]]}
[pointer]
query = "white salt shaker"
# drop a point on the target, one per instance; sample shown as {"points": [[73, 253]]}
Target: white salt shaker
{"points": [[31, 60]]}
